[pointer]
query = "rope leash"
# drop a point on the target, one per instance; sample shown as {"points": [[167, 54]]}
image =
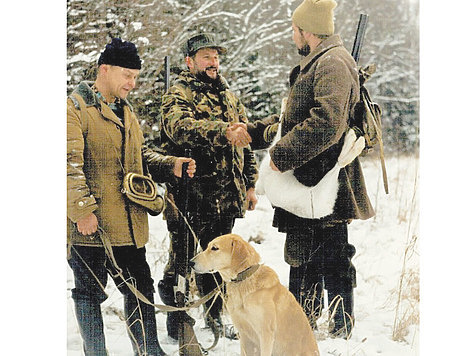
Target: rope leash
{"points": [[163, 308], [139, 295]]}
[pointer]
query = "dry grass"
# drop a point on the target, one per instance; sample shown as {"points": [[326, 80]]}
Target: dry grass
{"points": [[407, 292], [322, 319], [408, 298], [403, 194]]}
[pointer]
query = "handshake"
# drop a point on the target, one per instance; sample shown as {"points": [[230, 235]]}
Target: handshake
{"points": [[260, 132], [237, 134]]}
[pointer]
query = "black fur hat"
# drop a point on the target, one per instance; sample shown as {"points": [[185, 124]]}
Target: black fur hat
{"points": [[122, 54]]}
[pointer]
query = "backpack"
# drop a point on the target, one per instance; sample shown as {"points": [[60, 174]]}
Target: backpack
{"points": [[366, 120]]}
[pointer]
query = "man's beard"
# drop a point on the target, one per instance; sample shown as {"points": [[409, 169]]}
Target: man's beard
{"points": [[305, 50], [201, 75]]}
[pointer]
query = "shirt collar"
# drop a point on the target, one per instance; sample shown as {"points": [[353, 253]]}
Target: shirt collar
{"points": [[114, 105]]}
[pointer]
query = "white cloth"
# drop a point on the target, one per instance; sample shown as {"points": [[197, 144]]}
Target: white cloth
{"points": [[284, 191]]}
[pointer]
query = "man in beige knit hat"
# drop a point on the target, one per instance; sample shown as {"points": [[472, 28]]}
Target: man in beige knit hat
{"points": [[324, 89]]}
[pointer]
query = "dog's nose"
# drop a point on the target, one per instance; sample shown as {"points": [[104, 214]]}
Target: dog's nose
{"points": [[191, 263]]}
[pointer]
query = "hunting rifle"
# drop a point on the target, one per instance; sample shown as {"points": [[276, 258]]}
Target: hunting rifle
{"points": [[187, 341], [167, 73], [355, 53], [360, 32]]}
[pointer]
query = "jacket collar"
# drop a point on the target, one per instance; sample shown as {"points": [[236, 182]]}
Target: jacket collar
{"points": [[88, 95], [90, 98], [327, 44]]}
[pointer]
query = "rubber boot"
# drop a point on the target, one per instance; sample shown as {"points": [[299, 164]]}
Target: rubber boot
{"points": [[165, 290], [343, 317], [91, 326], [307, 288], [142, 325]]}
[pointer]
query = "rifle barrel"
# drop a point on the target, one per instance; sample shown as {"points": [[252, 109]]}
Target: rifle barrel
{"points": [[167, 73], [360, 32]]}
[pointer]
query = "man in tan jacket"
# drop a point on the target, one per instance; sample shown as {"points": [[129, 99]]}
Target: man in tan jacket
{"points": [[104, 144], [324, 89]]}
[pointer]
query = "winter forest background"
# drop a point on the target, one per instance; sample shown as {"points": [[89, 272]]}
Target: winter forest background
{"points": [[38, 72], [260, 55]]}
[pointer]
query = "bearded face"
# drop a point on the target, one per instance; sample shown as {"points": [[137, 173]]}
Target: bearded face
{"points": [[204, 64], [301, 43]]}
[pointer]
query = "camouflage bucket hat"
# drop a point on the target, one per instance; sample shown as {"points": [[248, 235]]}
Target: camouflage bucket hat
{"points": [[203, 40]]}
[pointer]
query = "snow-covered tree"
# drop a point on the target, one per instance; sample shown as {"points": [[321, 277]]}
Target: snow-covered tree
{"points": [[260, 55]]}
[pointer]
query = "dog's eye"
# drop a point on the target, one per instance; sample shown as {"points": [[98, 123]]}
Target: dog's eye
{"points": [[214, 248]]}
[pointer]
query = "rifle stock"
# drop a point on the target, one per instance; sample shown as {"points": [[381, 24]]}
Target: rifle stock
{"points": [[187, 341]]}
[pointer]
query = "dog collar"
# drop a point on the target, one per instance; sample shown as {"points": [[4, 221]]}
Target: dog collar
{"points": [[246, 273]]}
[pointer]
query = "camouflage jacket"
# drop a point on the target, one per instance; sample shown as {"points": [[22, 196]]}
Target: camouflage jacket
{"points": [[195, 116]]}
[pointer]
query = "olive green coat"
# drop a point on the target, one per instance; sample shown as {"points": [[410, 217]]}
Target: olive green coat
{"points": [[324, 89], [100, 151]]}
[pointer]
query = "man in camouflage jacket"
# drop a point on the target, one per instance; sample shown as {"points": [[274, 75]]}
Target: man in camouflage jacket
{"points": [[200, 113]]}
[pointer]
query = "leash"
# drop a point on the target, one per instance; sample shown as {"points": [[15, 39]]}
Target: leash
{"points": [[163, 308]]}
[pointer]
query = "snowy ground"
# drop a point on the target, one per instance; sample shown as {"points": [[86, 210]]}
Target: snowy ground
{"points": [[386, 246]]}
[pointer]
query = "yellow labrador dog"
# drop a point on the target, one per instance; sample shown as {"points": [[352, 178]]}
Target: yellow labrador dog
{"points": [[266, 314]]}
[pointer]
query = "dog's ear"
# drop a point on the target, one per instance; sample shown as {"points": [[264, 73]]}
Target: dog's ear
{"points": [[243, 254], [238, 254]]}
